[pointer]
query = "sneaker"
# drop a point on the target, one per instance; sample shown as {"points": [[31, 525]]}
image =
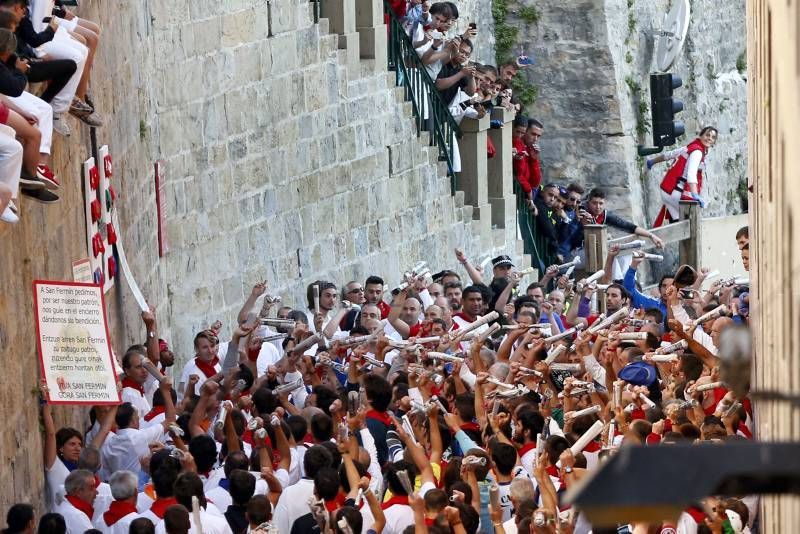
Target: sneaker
{"points": [[9, 216], [44, 174], [31, 182], [79, 106], [13, 207], [40, 195], [92, 119], [60, 125], [88, 101]]}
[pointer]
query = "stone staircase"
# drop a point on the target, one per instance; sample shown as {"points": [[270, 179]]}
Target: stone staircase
{"points": [[484, 203]]}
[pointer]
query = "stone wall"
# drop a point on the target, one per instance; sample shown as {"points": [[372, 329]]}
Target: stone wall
{"points": [[593, 60], [289, 155]]}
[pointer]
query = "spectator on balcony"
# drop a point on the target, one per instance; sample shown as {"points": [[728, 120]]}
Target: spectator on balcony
{"points": [[36, 112], [570, 235], [61, 75], [595, 212], [10, 167], [454, 76], [525, 150], [430, 44], [78, 40], [548, 223]]}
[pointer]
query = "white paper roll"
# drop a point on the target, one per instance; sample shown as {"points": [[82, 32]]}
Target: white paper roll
{"points": [[489, 317], [663, 358], [596, 276], [632, 336], [706, 387], [587, 437], [554, 353]]}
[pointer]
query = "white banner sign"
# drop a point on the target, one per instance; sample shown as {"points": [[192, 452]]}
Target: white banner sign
{"points": [[73, 342]]}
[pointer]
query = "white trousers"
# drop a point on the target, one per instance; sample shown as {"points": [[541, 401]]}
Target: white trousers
{"points": [[672, 201], [10, 159], [42, 111], [63, 46]]}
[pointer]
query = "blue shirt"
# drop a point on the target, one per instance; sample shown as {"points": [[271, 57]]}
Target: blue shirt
{"points": [[637, 299]]}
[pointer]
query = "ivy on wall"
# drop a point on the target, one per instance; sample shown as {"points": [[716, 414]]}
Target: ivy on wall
{"points": [[506, 33]]}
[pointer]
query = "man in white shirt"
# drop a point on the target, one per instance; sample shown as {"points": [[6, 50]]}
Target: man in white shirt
{"points": [[189, 485], [123, 450], [76, 508], [328, 295], [205, 364], [293, 502], [135, 383], [118, 517]]}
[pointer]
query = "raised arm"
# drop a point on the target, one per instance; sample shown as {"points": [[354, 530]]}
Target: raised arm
{"points": [[472, 271], [153, 350], [247, 308], [394, 316]]}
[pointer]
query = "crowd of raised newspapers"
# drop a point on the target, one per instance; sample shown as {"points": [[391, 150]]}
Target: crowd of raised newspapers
{"points": [[447, 404]]}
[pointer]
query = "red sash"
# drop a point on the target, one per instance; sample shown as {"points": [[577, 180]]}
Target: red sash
{"points": [[525, 449], [156, 411], [160, 506], [383, 417], [81, 505], [117, 511], [128, 383], [207, 368], [396, 499]]}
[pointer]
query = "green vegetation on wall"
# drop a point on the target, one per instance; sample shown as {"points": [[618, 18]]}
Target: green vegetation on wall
{"points": [[505, 33]]}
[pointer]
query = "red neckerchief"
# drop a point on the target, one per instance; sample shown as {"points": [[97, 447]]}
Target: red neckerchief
{"points": [[652, 439], [396, 499], [470, 426], [429, 521], [128, 383], [697, 514], [252, 354], [156, 411], [117, 511], [383, 417], [207, 368], [464, 316], [160, 506], [81, 505], [592, 446], [742, 428], [638, 413], [384, 308], [525, 449], [600, 219], [331, 506]]}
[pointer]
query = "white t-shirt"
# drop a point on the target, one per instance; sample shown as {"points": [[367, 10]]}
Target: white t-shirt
{"points": [[77, 522], [56, 476], [137, 399], [123, 450], [191, 369], [211, 524], [401, 516]]}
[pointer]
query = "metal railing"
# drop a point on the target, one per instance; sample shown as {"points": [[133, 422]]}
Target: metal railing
{"points": [[430, 111], [315, 7], [542, 252]]}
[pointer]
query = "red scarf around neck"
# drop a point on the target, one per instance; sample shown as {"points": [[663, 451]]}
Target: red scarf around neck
{"points": [[208, 368], [81, 505], [160, 506], [117, 511], [155, 412], [383, 417], [127, 382], [525, 449], [397, 499]]}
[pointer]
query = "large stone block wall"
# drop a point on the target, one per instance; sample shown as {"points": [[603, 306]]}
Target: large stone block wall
{"points": [[287, 158], [593, 60]]}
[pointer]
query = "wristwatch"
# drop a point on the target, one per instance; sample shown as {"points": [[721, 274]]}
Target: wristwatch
{"points": [[151, 335], [568, 470]]}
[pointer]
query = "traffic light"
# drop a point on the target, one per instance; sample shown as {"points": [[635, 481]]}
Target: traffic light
{"points": [[664, 107]]}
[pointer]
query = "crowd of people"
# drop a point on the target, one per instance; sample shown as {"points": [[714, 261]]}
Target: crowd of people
{"points": [[445, 405], [449, 404], [41, 42]]}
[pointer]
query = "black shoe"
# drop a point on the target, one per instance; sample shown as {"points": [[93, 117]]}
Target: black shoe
{"points": [[40, 195], [29, 182]]}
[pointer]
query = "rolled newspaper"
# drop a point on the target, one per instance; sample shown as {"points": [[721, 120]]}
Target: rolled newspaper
{"points": [[402, 476], [435, 400], [586, 411], [408, 428], [631, 245], [709, 386], [255, 423], [596, 276], [575, 261], [674, 347], [489, 317], [196, 522], [529, 371], [571, 367], [500, 384], [446, 357], [288, 387], [273, 337], [649, 257], [612, 427], [645, 399], [733, 409], [710, 275], [523, 272], [307, 343], [602, 287], [632, 336], [357, 340], [587, 437], [719, 311], [273, 321], [315, 290], [154, 372], [565, 334], [540, 441], [494, 497], [663, 358], [419, 267], [617, 393], [618, 315], [485, 261], [219, 422], [577, 392], [636, 323], [570, 271], [374, 361], [554, 353]]}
